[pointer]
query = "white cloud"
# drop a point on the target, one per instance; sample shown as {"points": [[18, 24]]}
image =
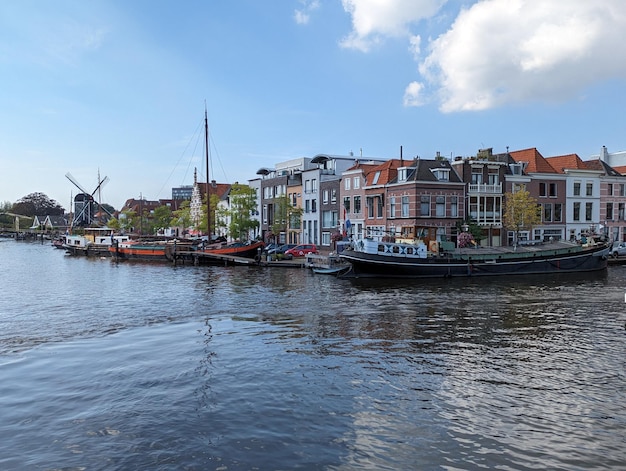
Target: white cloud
{"points": [[373, 20], [303, 15], [413, 94], [508, 51]]}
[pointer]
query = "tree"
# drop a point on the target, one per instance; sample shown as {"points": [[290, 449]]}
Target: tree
{"points": [[521, 212], [162, 217], [37, 204], [242, 207], [285, 214], [182, 216]]}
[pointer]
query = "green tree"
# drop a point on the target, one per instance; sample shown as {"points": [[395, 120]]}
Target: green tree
{"points": [[37, 204], [521, 212], [182, 216], [285, 215], [162, 217], [128, 221], [242, 207]]}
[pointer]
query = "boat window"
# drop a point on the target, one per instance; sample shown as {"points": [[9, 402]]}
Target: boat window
{"points": [[395, 249], [409, 250], [381, 248]]}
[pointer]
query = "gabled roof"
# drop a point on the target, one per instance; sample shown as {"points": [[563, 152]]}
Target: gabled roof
{"points": [[388, 172], [219, 189], [598, 164], [536, 163], [621, 169], [423, 171], [362, 166], [570, 161]]}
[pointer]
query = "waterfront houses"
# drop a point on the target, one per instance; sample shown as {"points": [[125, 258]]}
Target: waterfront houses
{"points": [[329, 197]]}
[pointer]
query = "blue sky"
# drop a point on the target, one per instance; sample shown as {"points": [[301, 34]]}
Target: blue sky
{"points": [[120, 86]]}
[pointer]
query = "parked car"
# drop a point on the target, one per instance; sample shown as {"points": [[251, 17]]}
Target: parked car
{"points": [[300, 250], [280, 249], [269, 247], [618, 249]]}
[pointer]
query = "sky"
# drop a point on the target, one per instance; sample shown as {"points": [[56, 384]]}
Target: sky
{"points": [[119, 88]]}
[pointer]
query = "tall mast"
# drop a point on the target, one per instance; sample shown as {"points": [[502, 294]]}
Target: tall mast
{"points": [[208, 194]]}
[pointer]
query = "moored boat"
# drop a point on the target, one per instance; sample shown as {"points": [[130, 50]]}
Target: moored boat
{"points": [[372, 258], [248, 249], [158, 251], [94, 242]]}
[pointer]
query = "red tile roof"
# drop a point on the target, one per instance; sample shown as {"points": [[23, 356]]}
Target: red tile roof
{"points": [[536, 162], [388, 171], [621, 169], [569, 161]]}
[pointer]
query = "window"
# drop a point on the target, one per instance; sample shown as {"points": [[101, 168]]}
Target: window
{"points": [[440, 206], [588, 211], [609, 211], [547, 212], [543, 189], [576, 188], [405, 206], [621, 189], [493, 177], [346, 203], [370, 207], [402, 174], [314, 185], [552, 192], [620, 211], [454, 206], [325, 197], [589, 189], [376, 177], [357, 205], [477, 177], [329, 219], [379, 213], [313, 206], [333, 195], [357, 183], [392, 207], [307, 206], [576, 211], [442, 174], [558, 212], [346, 184], [425, 205], [610, 189], [325, 238]]}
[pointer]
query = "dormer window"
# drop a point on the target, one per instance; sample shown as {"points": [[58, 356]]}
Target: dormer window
{"points": [[442, 174], [376, 177], [402, 174]]}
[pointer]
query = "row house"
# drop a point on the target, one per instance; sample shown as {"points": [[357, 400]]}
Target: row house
{"points": [[582, 210], [576, 197], [485, 175], [277, 187], [533, 172], [352, 196], [405, 199], [321, 197], [612, 200]]}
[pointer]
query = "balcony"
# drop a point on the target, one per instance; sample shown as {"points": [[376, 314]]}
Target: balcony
{"points": [[484, 188]]}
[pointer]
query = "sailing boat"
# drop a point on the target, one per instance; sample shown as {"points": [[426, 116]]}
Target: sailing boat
{"points": [[169, 251]]}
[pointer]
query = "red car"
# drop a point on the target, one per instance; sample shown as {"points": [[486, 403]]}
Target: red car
{"points": [[300, 250]]}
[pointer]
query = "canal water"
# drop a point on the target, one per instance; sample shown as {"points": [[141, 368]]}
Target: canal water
{"points": [[134, 366]]}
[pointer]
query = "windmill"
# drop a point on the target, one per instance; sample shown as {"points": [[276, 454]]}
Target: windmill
{"points": [[85, 206]]}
